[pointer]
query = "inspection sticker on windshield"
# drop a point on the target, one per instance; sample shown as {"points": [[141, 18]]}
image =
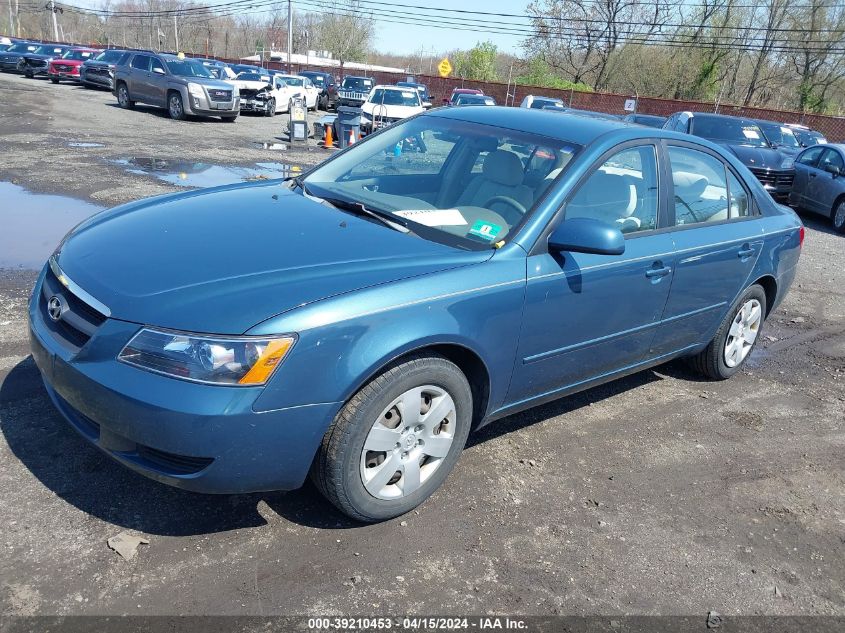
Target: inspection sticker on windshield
{"points": [[433, 217], [486, 230]]}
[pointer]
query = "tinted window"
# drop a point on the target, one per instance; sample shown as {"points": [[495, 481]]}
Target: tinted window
{"points": [[109, 57], [701, 191], [23, 48], [737, 131], [141, 62], [408, 97], [622, 192], [78, 55], [157, 65], [187, 68], [810, 156], [740, 206]]}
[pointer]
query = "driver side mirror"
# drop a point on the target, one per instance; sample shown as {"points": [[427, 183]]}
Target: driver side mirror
{"points": [[834, 170], [586, 235], [426, 104], [158, 71]]}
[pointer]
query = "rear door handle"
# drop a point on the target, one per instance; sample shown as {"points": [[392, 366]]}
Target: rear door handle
{"points": [[812, 175], [746, 251], [653, 273]]}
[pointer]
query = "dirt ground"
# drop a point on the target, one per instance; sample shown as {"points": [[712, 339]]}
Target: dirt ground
{"points": [[656, 494]]}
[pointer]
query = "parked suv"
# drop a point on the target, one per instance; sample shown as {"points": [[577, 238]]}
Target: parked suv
{"points": [[353, 92], [99, 71], [38, 61], [327, 86], [183, 86], [12, 57]]}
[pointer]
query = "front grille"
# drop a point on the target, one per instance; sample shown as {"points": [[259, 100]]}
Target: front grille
{"points": [[774, 179], [96, 70], [248, 93], [219, 95], [36, 63], [63, 68], [172, 463], [78, 322]]}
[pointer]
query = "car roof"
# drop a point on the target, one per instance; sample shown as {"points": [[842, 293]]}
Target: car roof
{"points": [[713, 115]]}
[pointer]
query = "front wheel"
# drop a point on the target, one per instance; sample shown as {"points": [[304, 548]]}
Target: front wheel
{"points": [[54, 80], [175, 107], [270, 108], [396, 440], [28, 74], [837, 216], [123, 99], [736, 337]]}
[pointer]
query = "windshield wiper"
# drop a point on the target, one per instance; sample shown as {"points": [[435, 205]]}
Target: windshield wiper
{"points": [[359, 209]]}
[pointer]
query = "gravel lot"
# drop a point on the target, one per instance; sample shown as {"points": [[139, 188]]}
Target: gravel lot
{"points": [[657, 494]]}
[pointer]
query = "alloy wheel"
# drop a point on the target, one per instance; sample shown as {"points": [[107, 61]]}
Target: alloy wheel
{"points": [[408, 442], [839, 217], [743, 332], [175, 106], [122, 96]]}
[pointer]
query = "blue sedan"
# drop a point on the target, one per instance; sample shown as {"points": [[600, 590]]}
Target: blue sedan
{"points": [[359, 322], [819, 184]]}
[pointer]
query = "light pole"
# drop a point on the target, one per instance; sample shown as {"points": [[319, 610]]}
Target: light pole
{"points": [[55, 24], [290, 32]]}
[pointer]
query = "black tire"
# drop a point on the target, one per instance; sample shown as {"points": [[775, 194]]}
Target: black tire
{"points": [[229, 119], [54, 80], [175, 107], [270, 108], [28, 74], [837, 216], [123, 99], [711, 361], [336, 468]]}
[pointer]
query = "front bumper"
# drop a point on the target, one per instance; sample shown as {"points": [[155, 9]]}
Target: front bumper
{"points": [[99, 79], [253, 105], [35, 69], [61, 74], [777, 182], [203, 106], [10, 64], [203, 438]]}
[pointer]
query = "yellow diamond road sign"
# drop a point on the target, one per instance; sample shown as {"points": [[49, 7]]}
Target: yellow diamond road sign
{"points": [[444, 67]]}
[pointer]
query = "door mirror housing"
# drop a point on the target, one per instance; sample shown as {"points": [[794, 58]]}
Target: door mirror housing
{"points": [[158, 71], [586, 235], [833, 169]]}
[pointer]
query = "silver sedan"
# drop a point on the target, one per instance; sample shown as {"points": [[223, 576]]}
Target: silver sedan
{"points": [[819, 184]]}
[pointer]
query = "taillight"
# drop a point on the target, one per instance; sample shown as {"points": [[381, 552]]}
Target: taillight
{"points": [[801, 237]]}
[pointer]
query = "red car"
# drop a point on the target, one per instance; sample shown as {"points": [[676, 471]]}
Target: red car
{"points": [[67, 66], [461, 91]]}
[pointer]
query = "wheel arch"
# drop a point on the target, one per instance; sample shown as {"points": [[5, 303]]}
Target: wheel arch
{"points": [[839, 198], [466, 359], [770, 287]]}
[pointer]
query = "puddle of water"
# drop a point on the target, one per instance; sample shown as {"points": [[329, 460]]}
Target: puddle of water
{"points": [[84, 144], [280, 147], [33, 224], [190, 174]]}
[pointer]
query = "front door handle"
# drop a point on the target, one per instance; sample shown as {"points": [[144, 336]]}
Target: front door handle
{"points": [[812, 175], [657, 273]]}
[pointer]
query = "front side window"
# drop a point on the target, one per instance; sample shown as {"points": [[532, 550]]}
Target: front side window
{"points": [[156, 66], [622, 192], [140, 62], [831, 158], [701, 189], [187, 68], [810, 157], [420, 172]]}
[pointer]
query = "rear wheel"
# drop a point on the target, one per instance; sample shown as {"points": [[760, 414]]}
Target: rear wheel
{"points": [[736, 337], [837, 216], [54, 80], [175, 107], [396, 440], [123, 99]]}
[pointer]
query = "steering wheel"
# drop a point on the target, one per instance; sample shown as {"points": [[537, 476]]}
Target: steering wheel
{"points": [[513, 204]]}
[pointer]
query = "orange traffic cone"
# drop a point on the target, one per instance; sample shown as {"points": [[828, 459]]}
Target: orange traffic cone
{"points": [[351, 136], [329, 141]]}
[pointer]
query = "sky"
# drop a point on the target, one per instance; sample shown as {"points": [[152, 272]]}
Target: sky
{"points": [[404, 39]]}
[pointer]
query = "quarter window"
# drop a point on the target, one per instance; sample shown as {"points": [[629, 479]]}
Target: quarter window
{"points": [[740, 206], [622, 192], [701, 190]]}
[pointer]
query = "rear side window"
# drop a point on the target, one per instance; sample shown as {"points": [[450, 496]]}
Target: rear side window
{"points": [[141, 62], [622, 192], [701, 189]]}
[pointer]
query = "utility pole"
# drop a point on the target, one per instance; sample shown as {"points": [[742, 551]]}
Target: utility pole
{"points": [[176, 32], [11, 20], [55, 24], [290, 32]]}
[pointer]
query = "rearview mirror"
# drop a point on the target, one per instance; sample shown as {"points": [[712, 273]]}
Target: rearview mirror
{"points": [[586, 235], [833, 169]]}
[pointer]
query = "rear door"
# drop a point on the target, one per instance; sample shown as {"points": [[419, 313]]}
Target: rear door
{"points": [[588, 316], [718, 238], [138, 79]]}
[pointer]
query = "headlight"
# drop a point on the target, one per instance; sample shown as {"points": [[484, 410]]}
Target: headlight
{"points": [[222, 360], [787, 163], [196, 90]]}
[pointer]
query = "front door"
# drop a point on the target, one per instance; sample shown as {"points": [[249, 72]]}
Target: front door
{"points": [[587, 316]]}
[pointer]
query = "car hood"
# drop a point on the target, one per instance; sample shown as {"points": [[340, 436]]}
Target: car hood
{"points": [[41, 57], [98, 64], [756, 157], [391, 111], [250, 85], [222, 260], [208, 82], [68, 62]]}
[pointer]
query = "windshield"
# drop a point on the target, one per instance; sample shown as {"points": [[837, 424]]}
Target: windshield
{"points": [[50, 50], [454, 182], [109, 57], [474, 100], [736, 131], [317, 80], [78, 55], [297, 82], [187, 68], [779, 135], [23, 48], [254, 77], [395, 97], [358, 84]]}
